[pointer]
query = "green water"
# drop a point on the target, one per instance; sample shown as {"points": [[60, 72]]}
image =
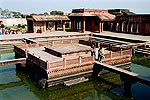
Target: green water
{"points": [[15, 85]]}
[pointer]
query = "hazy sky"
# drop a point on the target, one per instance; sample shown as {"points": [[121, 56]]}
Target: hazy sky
{"points": [[40, 6]]}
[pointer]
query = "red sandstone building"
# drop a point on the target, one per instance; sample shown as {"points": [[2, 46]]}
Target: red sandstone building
{"points": [[42, 22], [138, 24], [94, 20]]}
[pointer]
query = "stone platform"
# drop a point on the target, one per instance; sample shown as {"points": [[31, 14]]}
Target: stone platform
{"points": [[74, 63], [68, 50]]}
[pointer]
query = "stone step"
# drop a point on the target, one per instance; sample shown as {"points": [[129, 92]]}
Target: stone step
{"points": [[142, 52], [144, 48], [111, 40], [75, 81], [108, 41]]}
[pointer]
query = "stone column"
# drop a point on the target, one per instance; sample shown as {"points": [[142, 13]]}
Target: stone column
{"points": [[54, 26], [63, 24], [72, 25], [111, 26], [140, 27], [44, 26], [122, 26], [83, 25], [127, 27], [75, 26], [100, 27], [118, 27], [137, 28], [131, 27], [34, 27], [93, 25]]}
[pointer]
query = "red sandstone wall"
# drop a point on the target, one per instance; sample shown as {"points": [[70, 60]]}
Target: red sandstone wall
{"points": [[36, 26], [147, 28]]}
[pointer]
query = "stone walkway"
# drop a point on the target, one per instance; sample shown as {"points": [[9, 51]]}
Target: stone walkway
{"points": [[125, 35], [35, 35]]}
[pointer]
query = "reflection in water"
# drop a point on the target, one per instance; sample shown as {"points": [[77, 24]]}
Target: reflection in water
{"points": [[7, 56], [26, 89], [15, 85], [139, 69], [138, 90]]}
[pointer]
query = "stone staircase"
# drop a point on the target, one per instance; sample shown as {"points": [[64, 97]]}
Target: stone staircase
{"points": [[8, 45], [143, 50], [75, 81]]}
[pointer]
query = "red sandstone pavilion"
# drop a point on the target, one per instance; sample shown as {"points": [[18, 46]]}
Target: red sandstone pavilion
{"points": [[95, 20]]}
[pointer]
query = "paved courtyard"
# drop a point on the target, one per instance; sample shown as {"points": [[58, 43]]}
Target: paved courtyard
{"points": [[125, 35], [35, 35]]}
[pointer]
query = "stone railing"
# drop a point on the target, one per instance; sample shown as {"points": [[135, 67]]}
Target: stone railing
{"points": [[38, 61], [97, 44], [118, 54], [69, 63], [32, 45]]}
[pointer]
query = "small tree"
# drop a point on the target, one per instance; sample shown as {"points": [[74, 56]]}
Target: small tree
{"points": [[46, 13], [50, 25], [2, 26], [23, 26], [19, 25]]}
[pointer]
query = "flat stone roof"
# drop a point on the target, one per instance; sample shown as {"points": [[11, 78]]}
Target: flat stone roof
{"points": [[45, 56], [70, 48], [125, 36], [38, 35]]}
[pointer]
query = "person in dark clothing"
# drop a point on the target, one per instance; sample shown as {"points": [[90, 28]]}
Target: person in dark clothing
{"points": [[93, 51], [40, 29]]}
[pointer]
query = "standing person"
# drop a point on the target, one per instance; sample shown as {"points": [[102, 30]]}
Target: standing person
{"points": [[0, 30], [93, 51], [101, 53], [40, 29]]}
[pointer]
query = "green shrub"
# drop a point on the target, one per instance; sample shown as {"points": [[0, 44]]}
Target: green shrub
{"points": [[2, 26], [23, 26], [50, 25], [19, 25]]}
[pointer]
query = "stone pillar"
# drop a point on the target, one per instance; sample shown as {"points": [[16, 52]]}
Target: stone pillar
{"points": [[111, 26], [75, 26], [127, 27], [118, 27], [63, 24], [137, 28], [92, 26], [56, 23], [34, 27], [100, 27], [44, 26], [122, 26], [54, 26], [131, 27], [72, 25], [83, 25], [140, 27]]}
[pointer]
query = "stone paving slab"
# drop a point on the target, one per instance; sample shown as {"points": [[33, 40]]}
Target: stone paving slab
{"points": [[126, 36], [35, 35], [68, 48], [39, 52]]}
